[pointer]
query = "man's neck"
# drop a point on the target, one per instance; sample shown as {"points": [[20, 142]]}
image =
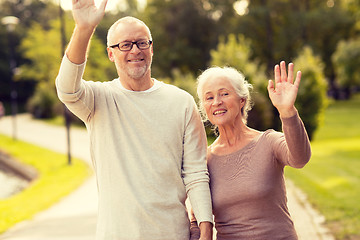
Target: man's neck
{"points": [[137, 84]]}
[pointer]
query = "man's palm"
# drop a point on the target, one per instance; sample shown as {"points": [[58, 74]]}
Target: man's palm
{"points": [[86, 13]]}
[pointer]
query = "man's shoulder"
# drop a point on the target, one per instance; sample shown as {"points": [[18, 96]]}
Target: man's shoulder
{"points": [[172, 89], [100, 84]]}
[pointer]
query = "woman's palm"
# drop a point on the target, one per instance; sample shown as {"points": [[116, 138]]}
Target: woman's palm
{"points": [[283, 93]]}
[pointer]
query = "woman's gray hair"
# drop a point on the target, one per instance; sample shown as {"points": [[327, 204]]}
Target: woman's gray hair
{"points": [[127, 19], [236, 79]]}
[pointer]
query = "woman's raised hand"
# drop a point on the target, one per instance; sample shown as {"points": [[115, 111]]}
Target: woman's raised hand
{"points": [[86, 14], [283, 93]]}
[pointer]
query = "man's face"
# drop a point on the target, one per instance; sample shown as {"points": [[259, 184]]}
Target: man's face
{"points": [[135, 63]]}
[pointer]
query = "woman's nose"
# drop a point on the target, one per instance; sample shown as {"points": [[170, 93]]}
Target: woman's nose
{"points": [[217, 101]]}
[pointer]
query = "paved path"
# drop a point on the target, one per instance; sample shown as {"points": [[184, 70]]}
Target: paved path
{"points": [[74, 218]]}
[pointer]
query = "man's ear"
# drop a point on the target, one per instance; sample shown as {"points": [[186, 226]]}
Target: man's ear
{"points": [[110, 54]]}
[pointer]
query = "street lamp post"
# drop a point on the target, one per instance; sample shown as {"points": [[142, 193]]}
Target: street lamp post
{"points": [[66, 110], [10, 22]]}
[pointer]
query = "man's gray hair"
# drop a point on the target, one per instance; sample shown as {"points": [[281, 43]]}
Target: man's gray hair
{"points": [[124, 20]]}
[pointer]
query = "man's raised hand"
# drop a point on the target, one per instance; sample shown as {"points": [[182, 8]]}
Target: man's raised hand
{"points": [[86, 14]]}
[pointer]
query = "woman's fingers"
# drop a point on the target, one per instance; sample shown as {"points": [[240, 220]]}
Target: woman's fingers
{"points": [[290, 73], [282, 76], [298, 79]]}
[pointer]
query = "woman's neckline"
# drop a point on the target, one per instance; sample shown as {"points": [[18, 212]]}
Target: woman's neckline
{"points": [[248, 145]]}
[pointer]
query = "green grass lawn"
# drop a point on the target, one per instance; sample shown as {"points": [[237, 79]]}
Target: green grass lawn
{"points": [[331, 180], [56, 179]]}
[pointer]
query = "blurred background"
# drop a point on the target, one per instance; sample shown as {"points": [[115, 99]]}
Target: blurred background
{"points": [[321, 37]]}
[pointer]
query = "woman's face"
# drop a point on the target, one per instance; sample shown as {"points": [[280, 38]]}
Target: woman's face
{"points": [[221, 102]]}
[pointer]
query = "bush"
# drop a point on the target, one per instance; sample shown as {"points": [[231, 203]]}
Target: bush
{"points": [[312, 99], [42, 104], [346, 61], [236, 53]]}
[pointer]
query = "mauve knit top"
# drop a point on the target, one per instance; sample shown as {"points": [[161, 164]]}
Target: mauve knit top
{"points": [[248, 188]]}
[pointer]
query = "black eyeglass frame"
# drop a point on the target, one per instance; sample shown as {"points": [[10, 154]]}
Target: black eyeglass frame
{"points": [[132, 44]]}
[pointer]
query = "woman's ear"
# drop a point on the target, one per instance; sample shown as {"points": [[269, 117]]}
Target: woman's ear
{"points": [[242, 104], [242, 101]]}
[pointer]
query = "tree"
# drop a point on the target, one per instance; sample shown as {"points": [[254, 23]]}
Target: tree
{"points": [[40, 11], [41, 48], [181, 34], [278, 28], [185, 81], [236, 52], [346, 61], [311, 101]]}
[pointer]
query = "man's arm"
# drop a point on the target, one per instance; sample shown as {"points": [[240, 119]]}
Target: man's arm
{"points": [[79, 100], [195, 173], [206, 231], [87, 16]]}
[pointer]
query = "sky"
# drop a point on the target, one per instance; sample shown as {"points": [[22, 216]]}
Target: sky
{"points": [[240, 5], [111, 4]]}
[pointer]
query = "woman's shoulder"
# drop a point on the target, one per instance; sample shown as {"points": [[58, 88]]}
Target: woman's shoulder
{"points": [[270, 136]]}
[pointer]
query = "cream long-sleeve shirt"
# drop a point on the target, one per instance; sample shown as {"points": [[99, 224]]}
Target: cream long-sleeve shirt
{"points": [[148, 151]]}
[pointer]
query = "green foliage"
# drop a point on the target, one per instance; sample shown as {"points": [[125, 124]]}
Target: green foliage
{"points": [[43, 66], [44, 62], [41, 11], [186, 82], [28, 12], [326, 27], [45, 190], [312, 99], [38, 47], [236, 53], [279, 28], [98, 66], [346, 61], [43, 102], [331, 180], [182, 35]]}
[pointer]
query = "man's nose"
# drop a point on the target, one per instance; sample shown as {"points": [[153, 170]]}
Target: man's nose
{"points": [[134, 49]]}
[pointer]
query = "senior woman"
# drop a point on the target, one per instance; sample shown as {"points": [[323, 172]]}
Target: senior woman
{"points": [[246, 166]]}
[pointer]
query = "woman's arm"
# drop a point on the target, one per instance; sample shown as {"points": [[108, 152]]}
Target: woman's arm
{"points": [[294, 150]]}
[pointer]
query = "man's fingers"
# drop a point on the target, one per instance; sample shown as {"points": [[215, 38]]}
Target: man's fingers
{"points": [[283, 71], [270, 86], [277, 74], [102, 6]]}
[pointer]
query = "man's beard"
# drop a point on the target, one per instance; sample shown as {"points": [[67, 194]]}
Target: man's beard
{"points": [[136, 72]]}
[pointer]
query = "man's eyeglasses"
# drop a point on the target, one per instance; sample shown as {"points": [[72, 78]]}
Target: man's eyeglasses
{"points": [[127, 46]]}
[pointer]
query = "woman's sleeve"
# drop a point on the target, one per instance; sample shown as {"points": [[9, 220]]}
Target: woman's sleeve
{"points": [[293, 148]]}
